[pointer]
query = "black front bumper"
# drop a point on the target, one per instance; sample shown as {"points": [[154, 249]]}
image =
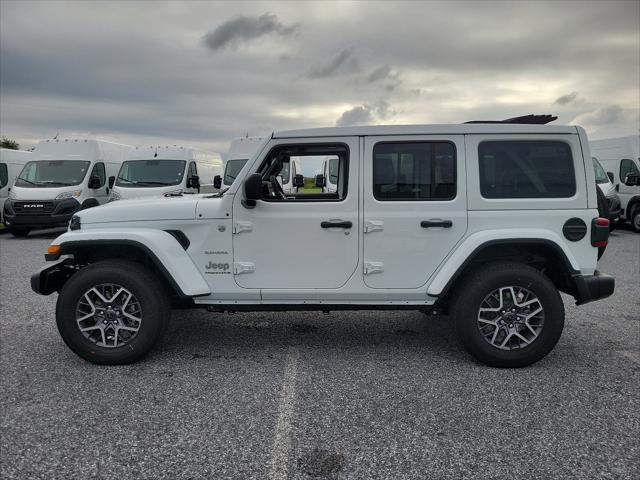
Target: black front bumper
{"points": [[52, 276], [52, 214], [593, 287]]}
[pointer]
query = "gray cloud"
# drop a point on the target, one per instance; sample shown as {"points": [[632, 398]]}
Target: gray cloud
{"points": [[567, 99], [242, 28], [602, 116], [84, 66], [343, 62], [381, 73], [365, 114]]}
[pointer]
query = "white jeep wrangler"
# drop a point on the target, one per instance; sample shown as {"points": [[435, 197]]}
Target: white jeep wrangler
{"points": [[487, 222]]}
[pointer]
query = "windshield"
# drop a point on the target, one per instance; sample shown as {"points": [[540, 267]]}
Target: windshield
{"points": [[232, 169], [150, 173], [52, 173], [601, 175]]}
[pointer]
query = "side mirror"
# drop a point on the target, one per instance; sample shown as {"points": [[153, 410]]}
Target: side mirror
{"points": [[610, 175], [321, 181], [298, 180], [94, 182], [217, 182], [193, 182], [252, 190], [112, 180], [632, 180]]}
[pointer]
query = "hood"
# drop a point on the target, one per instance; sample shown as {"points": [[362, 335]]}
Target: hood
{"points": [[173, 208], [145, 192], [41, 193]]}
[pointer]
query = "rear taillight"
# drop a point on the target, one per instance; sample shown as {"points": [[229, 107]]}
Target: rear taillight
{"points": [[600, 232]]}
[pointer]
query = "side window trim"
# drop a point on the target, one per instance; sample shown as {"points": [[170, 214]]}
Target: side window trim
{"points": [[520, 164], [450, 198], [301, 199]]}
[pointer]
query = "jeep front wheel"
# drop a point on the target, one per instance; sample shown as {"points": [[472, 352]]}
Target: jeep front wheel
{"points": [[112, 312], [508, 315]]}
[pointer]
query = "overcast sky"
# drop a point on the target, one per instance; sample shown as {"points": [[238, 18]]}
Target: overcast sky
{"points": [[203, 73]]}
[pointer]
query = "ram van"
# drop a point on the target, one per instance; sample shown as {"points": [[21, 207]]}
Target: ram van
{"points": [[620, 158], [11, 163], [62, 177], [166, 170]]}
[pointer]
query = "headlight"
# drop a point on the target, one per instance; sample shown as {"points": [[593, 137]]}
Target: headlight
{"points": [[114, 196], [71, 194], [12, 195]]}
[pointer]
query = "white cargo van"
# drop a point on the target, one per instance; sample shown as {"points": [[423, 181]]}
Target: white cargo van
{"points": [[608, 189], [62, 177], [171, 170], [240, 150], [620, 157], [11, 163]]}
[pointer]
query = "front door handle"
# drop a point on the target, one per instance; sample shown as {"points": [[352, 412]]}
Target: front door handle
{"points": [[336, 224], [436, 223]]}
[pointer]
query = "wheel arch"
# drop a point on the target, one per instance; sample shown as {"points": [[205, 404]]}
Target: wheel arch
{"points": [[543, 254], [632, 204], [158, 250]]}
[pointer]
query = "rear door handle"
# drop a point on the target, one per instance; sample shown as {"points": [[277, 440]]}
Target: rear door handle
{"points": [[436, 223], [336, 224]]}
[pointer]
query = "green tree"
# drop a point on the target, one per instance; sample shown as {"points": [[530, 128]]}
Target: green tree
{"points": [[10, 144]]}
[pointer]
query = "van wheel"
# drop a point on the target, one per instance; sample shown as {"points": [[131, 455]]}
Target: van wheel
{"points": [[19, 232], [508, 315], [635, 219], [112, 312]]}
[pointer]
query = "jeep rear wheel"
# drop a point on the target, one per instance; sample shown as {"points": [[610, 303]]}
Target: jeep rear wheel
{"points": [[112, 312], [508, 315]]}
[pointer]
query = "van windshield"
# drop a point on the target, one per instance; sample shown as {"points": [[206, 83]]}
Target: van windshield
{"points": [[601, 175], [52, 173], [232, 169], [150, 173]]}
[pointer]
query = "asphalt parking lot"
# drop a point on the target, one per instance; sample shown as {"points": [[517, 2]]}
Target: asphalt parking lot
{"points": [[364, 395]]}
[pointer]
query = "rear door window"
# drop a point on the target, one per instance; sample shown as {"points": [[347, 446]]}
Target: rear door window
{"points": [[526, 169], [4, 175]]}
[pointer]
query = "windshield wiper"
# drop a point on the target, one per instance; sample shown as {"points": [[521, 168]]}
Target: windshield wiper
{"points": [[152, 183], [218, 194], [52, 182], [25, 180]]}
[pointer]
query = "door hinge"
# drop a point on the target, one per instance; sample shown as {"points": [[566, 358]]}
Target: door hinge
{"points": [[373, 267], [243, 267], [373, 225], [239, 227]]}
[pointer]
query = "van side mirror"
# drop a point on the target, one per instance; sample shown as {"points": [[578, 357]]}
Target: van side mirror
{"points": [[112, 181], [94, 182], [632, 180], [252, 190], [321, 181], [193, 182], [217, 182], [298, 181], [610, 175]]}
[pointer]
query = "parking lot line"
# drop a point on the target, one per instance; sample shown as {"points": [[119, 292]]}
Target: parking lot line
{"points": [[282, 440]]}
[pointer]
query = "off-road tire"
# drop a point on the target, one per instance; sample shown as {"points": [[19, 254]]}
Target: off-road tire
{"points": [[19, 232], [469, 295], [138, 280]]}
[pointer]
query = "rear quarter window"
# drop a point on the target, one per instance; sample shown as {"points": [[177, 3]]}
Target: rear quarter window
{"points": [[526, 169]]}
